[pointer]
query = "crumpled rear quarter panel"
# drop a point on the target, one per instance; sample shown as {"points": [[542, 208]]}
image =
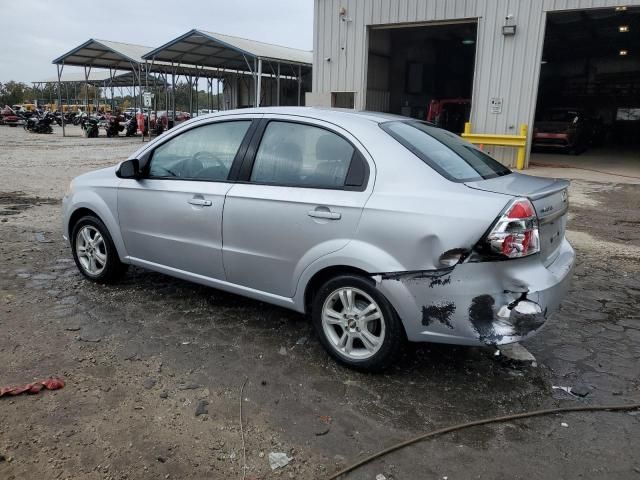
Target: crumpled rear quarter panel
{"points": [[460, 306]]}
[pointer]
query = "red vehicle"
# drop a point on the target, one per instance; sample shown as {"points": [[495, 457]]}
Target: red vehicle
{"points": [[564, 129], [9, 117], [449, 113]]}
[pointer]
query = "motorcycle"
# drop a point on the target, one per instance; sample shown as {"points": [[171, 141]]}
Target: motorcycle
{"points": [[113, 126], [79, 118], [90, 127], [131, 127], [36, 124]]}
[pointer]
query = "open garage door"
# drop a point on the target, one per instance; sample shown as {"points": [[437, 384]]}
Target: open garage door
{"points": [[423, 72], [589, 91]]}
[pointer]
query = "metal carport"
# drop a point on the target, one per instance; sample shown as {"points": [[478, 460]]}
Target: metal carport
{"points": [[113, 56], [235, 57]]}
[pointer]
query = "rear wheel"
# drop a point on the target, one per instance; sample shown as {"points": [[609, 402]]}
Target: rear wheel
{"points": [[94, 252], [356, 323]]}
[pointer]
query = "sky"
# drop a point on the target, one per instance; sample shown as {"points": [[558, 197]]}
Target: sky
{"points": [[34, 32]]}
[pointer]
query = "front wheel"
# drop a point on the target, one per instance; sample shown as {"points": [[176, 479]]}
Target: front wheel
{"points": [[94, 252], [356, 324]]}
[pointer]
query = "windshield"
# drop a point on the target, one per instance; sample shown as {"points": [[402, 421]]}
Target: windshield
{"points": [[449, 155]]}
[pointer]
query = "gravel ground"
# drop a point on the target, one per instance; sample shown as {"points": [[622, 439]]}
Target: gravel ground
{"points": [[140, 358]]}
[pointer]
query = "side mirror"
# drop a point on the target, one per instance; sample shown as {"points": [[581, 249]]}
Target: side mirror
{"points": [[129, 169]]}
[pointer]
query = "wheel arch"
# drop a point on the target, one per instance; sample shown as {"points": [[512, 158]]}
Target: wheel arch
{"points": [[321, 276], [92, 204], [357, 257]]}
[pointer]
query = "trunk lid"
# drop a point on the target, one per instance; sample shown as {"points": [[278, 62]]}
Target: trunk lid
{"points": [[549, 197]]}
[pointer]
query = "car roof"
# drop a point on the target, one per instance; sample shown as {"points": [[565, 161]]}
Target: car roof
{"points": [[335, 115]]}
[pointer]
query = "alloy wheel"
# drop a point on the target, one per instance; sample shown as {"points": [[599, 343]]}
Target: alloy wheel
{"points": [[353, 323], [91, 250]]}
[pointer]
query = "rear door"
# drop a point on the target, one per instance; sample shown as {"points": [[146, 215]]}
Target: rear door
{"points": [[299, 197], [173, 216]]}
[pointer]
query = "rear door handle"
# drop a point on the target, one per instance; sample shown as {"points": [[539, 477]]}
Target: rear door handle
{"points": [[201, 202], [328, 214]]}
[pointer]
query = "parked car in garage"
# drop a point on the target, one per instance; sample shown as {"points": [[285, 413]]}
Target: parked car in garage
{"points": [[449, 113], [379, 227], [566, 129]]}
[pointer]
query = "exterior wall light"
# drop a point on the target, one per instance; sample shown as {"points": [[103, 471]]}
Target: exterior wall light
{"points": [[509, 28]]}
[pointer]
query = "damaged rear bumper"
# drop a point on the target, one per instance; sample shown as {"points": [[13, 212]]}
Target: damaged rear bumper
{"points": [[480, 303]]}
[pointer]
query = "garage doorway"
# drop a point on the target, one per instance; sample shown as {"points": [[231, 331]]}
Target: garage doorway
{"points": [[588, 106], [423, 71]]}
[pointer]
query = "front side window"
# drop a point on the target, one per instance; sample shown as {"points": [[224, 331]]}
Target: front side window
{"points": [[300, 155], [202, 153], [448, 154]]}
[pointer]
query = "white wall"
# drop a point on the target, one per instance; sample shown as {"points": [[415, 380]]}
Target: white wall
{"points": [[506, 67]]}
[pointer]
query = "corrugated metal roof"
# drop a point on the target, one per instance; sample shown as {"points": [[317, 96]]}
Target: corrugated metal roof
{"points": [[104, 54], [215, 50], [264, 50]]}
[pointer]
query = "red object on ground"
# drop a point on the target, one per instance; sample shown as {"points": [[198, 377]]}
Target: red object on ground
{"points": [[35, 387], [140, 121]]}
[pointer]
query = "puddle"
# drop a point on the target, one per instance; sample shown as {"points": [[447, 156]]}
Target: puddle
{"points": [[13, 203]]}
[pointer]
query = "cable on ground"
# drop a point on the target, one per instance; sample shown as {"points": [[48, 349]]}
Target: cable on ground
{"points": [[475, 423]]}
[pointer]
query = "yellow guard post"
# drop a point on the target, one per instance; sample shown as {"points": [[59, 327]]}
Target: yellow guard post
{"points": [[517, 141]]}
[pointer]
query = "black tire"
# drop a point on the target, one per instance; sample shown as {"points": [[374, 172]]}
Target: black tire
{"points": [[113, 269], [394, 338]]}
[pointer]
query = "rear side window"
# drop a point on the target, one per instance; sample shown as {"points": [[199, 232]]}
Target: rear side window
{"points": [[294, 154], [448, 154]]}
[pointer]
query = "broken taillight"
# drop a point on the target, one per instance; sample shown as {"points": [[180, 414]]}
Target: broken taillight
{"points": [[515, 233]]}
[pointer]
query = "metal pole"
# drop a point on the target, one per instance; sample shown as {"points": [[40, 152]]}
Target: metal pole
{"points": [[140, 97], [190, 83], [218, 90], [278, 86], [197, 92], [259, 83], [173, 94], [166, 94], [146, 89], [60, 68], [299, 83], [86, 88]]}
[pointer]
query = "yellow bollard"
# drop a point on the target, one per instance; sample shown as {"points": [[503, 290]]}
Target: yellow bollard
{"points": [[518, 142], [522, 151]]}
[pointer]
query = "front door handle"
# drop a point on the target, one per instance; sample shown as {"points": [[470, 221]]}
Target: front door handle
{"points": [[328, 214], [200, 202]]}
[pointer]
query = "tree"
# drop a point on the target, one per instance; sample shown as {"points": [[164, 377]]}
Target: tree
{"points": [[13, 92]]}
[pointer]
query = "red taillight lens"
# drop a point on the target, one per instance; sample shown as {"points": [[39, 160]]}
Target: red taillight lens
{"points": [[515, 234], [521, 209]]}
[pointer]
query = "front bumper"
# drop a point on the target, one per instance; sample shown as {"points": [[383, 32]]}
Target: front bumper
{"points": [[487, 303]]}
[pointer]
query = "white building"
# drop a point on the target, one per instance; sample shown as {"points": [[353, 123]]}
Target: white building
{"points": [[501, 58]]}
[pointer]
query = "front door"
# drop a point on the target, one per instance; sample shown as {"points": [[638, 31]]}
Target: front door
{"points": [[302, 199], [173, 216]]}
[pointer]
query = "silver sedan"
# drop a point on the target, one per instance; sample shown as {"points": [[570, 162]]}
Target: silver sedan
{"points": [[380, 228]]}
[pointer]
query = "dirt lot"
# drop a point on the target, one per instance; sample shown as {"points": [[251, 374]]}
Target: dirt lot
{"points": [[139, 359]]}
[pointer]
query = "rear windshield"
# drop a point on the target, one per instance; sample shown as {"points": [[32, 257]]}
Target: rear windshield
{"points": [[445, 152]]}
